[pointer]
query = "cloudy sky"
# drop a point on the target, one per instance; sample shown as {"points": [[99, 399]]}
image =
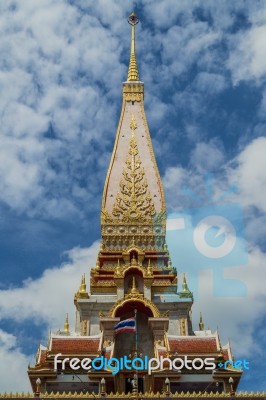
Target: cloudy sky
{"points": [[61, 68]]}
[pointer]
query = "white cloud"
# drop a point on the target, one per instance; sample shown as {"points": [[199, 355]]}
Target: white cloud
{"points": [[207, 157], [190, 187], [247, 60], [262, 109], [246, 172], [249, 173], [223, 14], [181, 48], [48, 298], [157, 109], [255, 229], [173, 177], [44, 300], [57, 69], [13, 368], [210, 83]]}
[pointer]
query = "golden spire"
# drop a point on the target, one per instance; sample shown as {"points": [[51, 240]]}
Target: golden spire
{"points": [[118, 269], [82, 292], [133, 74], [185, 293], [201, 324], [149, 267], [134, 260], [97, 265], [82, 288], [134, 289], [184, 284], [66, 325]]}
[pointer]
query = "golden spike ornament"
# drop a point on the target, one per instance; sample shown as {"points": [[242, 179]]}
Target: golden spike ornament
{"points": [[185, 293], [82, 293], [134, 289], [82, 288], [133, 74], [184, 284], [201, 324], [118, 268], [149, 269], [66, 325]]}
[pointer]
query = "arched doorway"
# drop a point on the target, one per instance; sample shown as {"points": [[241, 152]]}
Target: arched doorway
{"points": [[139, 344], [142, 340]]}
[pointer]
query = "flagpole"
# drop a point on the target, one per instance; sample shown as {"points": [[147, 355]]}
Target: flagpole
{"points": [[135, 378], [136, 336]]}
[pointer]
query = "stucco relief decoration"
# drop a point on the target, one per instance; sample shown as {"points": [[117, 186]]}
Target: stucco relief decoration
{"points": [[133, 202]]}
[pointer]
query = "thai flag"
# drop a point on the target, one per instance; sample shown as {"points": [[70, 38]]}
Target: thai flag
{"points": [[128, 325]]}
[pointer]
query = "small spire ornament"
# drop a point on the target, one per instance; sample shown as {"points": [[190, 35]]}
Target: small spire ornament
{"points": [[66, 325]]}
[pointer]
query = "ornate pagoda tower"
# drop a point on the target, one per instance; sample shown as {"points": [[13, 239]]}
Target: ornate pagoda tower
{"points": [[133, 275]]}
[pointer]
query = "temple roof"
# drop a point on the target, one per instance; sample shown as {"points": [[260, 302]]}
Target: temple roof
{"points": [[42, 357], [193, 344], [74, 344]]}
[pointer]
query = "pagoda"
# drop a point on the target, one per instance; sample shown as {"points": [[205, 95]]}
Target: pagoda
{"points": [[133, 278]]}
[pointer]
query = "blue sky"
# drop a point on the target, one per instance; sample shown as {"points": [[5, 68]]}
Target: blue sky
{"points": [[61, 68]]}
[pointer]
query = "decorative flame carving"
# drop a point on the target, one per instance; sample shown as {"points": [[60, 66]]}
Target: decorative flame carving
{"points": [[133, 202]]}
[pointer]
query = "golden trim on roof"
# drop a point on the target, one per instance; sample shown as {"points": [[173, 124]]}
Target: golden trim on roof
{"points": [[82, 395]]}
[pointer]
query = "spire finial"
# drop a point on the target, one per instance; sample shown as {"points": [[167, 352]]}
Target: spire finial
{"points": [[133, 74], [201, 324], [134, 289], [184, 284], [97, 264], [185, 293], [82, 292], [66, 324], [82, 288], [149, 270], [118, 269], [133, 260]]}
